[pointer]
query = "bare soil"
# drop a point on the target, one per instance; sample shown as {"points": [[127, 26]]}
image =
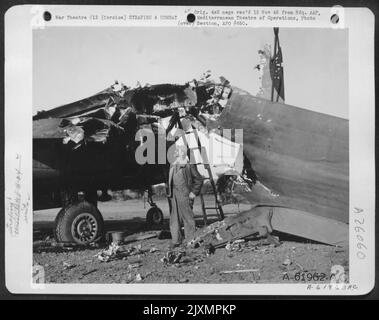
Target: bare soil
{"points": [[295, 260]]}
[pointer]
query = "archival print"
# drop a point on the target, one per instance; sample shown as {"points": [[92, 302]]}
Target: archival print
{"points": [[202, 153]]}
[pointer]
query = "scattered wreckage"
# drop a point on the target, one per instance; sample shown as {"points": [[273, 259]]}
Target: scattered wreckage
{"points": [[252, 224], [294, 161], [234, 233]]}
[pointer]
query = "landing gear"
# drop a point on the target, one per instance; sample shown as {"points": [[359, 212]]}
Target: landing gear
{"points": [[79, 222], [154, 216], [105, 196]]}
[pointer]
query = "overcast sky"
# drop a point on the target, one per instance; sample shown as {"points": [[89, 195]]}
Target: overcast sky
{"points": [[72, 63]]}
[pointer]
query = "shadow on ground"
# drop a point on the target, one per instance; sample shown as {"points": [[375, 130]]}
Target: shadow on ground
{"points": [[44, 230]]}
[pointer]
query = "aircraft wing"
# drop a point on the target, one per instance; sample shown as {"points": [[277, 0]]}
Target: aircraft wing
{"points": [[300, 157], [96, 101]]}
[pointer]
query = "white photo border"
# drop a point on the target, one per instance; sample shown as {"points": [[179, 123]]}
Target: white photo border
{"points": [[19, 24]]}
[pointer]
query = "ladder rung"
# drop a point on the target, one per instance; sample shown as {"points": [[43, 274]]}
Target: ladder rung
{"points": [[197, 148]]}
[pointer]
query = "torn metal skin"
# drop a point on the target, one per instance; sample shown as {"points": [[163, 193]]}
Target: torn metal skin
{"points": [[252, 224]]}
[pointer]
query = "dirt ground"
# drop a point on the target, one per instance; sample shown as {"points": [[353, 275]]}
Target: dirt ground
{"points": [[295, 260]]}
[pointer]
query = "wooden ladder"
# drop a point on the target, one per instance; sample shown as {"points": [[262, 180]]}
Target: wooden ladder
{"points": [[207, 166]]}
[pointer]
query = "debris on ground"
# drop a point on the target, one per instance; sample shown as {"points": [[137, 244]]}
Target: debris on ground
{"points": [[192, 265], [287, 262], [172, 257], [237, 245], [153, 249], [68, 266], [134, 250], [134, 265], [88, 272], [209, 249], [239, 271], [109, 254], [232, 232], [119, 252]]}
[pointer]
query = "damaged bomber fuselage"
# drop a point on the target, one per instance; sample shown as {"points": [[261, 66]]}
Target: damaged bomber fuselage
{"points": [[90, 144], [294, 158]]}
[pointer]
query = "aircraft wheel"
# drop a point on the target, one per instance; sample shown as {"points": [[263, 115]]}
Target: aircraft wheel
{"points": [[154, 216], [79, 223]]}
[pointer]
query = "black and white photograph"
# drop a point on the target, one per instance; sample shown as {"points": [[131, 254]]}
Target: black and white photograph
{"points": [[207, 153]]}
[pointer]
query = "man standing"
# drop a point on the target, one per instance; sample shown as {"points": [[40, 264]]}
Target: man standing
{"points": [[184, 184]]}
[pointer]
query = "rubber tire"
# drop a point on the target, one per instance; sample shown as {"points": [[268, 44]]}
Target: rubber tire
{"points": [[151, 220], [66, 216]]}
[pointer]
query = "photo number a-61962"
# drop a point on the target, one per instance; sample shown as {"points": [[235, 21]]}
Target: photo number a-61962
{"points": [[303, 276]]}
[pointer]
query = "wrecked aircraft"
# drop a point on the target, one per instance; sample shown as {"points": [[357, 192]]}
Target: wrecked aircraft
{"points": [[295, 160], [90, 145]]}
